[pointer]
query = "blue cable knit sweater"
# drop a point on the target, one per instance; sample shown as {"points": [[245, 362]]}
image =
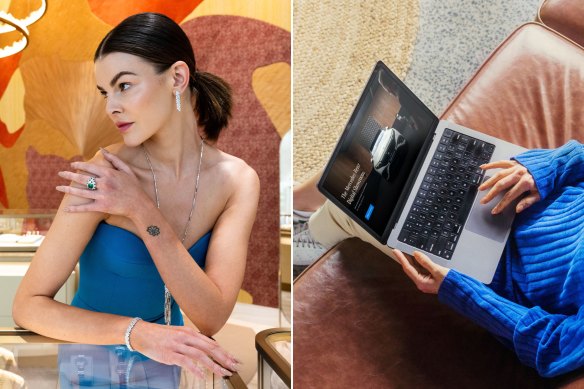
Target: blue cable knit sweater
{"points": [[535, 303]]}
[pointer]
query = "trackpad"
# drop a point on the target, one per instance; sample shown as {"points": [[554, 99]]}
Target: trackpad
{"points": [[482, 222]]}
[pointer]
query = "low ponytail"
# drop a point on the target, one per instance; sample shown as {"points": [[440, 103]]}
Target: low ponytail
{"points": [[214, 102]]}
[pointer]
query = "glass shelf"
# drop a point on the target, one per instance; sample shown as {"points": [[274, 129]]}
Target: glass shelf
{"points": [[24, 229]]}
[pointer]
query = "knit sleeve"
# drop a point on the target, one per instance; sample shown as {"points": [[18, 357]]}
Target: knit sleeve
{"points": [[554, 168], [552, 344]]}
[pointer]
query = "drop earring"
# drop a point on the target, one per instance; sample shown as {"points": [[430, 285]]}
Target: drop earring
{"points": [[177, 98]]}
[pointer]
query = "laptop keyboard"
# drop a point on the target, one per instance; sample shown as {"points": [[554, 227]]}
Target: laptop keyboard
{"points": [[443, 202]]}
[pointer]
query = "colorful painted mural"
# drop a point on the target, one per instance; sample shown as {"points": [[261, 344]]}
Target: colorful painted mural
{"points": [[51, 112]]}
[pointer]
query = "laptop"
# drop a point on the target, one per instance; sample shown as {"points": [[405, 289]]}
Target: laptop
{"points": [[411, 180]]}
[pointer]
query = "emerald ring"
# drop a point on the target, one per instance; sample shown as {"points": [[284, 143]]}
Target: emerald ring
{"points": [[91, 184]]}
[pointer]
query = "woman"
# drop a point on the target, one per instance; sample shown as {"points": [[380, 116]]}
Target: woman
{"points": [[149, 213], [535, 304]]}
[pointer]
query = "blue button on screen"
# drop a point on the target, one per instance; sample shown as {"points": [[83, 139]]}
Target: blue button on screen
{"points": [[369, 212]]}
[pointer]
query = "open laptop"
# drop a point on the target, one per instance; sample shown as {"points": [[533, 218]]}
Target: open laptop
{"points": [[410, 179]]}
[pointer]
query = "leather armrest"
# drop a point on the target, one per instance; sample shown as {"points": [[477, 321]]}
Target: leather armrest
{"points": [[529, 91], [564, 16]]}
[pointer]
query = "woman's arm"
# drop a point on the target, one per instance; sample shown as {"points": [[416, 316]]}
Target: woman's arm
{"points": [[217, 287], [551, 343], [34, 306], [207, 297]]}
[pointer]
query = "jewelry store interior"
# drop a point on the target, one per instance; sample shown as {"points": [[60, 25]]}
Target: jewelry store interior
{"points": [[52, 115]]}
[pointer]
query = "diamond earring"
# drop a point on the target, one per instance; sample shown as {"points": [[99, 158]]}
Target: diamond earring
{"points": [[177, 98]]}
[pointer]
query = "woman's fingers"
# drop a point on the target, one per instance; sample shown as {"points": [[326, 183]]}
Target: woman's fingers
{"points": [[410, 271], [203, 359], [188, 363], [211, 348], [422, 282], [498, 165], [85, 193], [520, 186], [426, 262], [90, 168], [116, 162], [527, 202], [81, 179], [496, 178]]}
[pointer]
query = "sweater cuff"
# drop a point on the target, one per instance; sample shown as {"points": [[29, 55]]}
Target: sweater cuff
{"points": [[537, 163], [554, 168], [481, 304]]}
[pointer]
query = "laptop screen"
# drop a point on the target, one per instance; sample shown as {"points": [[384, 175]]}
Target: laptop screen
{"points": [[377, 151]]}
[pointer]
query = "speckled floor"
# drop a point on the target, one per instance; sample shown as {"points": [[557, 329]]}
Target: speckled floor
{"points": [[454, 38]]}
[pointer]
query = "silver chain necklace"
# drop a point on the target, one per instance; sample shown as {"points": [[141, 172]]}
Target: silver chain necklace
{"points": [[167, 295]]}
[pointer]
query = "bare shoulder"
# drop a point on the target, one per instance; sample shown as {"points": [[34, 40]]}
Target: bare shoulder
{"points": [[125, 153], [234, 173]]}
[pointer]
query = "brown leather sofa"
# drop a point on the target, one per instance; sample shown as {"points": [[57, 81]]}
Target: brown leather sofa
{"points": [[359, 322]]}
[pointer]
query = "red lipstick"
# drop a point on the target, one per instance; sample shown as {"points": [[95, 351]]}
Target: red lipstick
{"points": [[123, 126]]}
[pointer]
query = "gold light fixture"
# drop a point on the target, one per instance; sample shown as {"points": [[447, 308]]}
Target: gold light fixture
{"points": [[9, 23]]}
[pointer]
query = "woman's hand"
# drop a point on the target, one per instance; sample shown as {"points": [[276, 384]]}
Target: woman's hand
{"points": [[427, 282], [516, 179], [117, 192], [182, 346]]}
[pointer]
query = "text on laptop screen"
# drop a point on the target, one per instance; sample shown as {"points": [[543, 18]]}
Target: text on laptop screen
{"points": [[378, 150]]}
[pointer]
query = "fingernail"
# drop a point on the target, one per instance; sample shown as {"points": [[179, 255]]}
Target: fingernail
{"points": [[235, 366], [103, 150], [226, 372], [235, 359], [494, 211], [66, 209]]}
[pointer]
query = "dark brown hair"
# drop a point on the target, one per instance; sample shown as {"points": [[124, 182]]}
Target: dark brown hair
{"points": [[160, 41]]}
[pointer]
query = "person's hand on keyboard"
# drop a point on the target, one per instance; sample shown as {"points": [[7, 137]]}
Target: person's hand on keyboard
{"points": [[513, 178]]}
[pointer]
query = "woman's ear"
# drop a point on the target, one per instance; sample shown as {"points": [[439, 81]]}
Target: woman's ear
{"points": [[180, 74]]}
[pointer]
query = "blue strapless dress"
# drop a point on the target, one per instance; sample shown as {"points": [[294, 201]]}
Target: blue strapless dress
{"points": [[117, 275]]}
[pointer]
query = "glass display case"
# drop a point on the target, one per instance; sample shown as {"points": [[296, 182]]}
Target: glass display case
{"points": [[37, 362], [274, 354], [23, 230]]}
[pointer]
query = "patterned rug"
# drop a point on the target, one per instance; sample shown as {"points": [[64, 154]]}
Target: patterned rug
{"points": [[331, 67], [454, 38], [336, 43]]}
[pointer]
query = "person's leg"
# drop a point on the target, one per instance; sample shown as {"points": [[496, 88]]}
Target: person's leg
{"points": [[306, 196], [329, 225]]}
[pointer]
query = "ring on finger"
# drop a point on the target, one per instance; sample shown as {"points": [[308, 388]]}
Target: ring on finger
{"points": [[91, 184]]}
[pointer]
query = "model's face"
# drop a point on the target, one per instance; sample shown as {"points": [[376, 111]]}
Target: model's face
{"points": [[138, 100]]}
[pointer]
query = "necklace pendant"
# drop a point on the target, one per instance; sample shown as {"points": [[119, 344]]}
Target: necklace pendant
{"points": [[167, 306], [153, 230]]}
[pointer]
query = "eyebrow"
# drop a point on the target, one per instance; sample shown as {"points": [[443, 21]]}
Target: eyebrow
{"points": [[116, 77]]}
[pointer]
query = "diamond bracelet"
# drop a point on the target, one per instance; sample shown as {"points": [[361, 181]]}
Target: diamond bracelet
{"points": [[129, 331]]}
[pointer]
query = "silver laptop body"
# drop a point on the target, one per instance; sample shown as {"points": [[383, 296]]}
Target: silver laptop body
{"points": [[382, 176]]}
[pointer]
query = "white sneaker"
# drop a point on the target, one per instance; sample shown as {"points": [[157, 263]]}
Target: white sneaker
{"points": [[306, 249], [300, 220]]}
